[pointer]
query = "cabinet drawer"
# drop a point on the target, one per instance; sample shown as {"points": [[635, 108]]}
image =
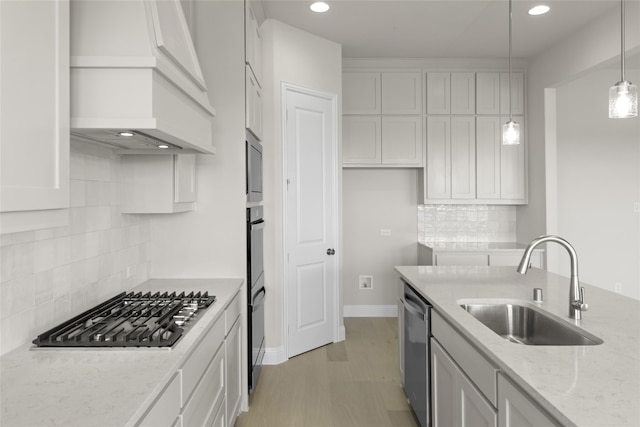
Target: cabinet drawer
{"points": [[195, 365], [462, 259], [208, 395], [481, 372], [166, 407], [231, 314]]}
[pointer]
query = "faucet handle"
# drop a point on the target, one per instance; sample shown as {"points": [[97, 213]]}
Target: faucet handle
{"points": [[581, 305]]}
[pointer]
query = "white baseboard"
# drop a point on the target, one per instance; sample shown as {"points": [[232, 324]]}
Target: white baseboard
{"points": [[274, 356], [370, 311]]}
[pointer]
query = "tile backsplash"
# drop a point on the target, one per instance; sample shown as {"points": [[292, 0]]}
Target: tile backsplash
{"points": [[466, 223], [49, 275]]}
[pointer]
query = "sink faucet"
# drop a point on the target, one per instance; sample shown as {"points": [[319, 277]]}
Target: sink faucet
{"points": [[576, 293]]}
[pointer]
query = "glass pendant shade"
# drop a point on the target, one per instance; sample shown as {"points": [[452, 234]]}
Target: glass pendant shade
{"points": [[623, 100], [510, 133]]}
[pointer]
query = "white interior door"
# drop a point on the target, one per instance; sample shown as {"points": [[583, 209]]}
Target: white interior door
{"points": [[310, 144]]}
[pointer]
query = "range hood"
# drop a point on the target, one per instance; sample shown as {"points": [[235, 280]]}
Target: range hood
{"points": [[136, 82]]}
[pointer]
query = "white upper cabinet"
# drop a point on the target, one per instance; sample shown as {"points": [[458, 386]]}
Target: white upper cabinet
{"points": [[450, 93], [517, 94], [382, 122], [34, 121], [253, 104], [401, 93], [253, 43], [361, 93], [488, 93], [501, 169], [402, 140], [450, 158], [493, 93], [134, 68], [362, 140], [438, 93]]}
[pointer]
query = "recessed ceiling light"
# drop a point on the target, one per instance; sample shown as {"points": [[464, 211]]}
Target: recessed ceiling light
{"points": [[319, 7], [539, 10], [163, 146], [125, 133]]}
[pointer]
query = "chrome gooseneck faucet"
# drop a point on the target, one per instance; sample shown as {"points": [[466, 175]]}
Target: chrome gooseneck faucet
{"points": [[576, 293]]}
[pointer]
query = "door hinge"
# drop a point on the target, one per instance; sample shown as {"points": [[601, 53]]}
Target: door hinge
{"points": [[288, 182]]}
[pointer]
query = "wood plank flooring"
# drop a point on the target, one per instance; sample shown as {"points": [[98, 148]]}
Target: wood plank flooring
{"points": [[352, 383]]}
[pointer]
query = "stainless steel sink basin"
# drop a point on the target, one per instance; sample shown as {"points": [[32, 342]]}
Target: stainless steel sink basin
{"points": [[527, 325]]}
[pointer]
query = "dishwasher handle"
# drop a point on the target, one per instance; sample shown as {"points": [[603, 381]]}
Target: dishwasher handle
{"points": [[413, 307]]}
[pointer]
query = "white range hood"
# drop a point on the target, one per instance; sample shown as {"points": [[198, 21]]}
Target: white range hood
{"points": [[134, 69]]}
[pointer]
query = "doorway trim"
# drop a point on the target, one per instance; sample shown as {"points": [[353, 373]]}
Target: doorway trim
{"points": [[338, 330]]}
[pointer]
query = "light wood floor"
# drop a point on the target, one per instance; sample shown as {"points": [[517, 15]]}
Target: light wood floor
{"points": [[352, 383]]}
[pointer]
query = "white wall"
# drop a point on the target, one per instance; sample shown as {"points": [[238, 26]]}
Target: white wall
{"points": [[596, 43], [598, 182], [376, 199], [292, 56], [586, 50], [211, 240]]}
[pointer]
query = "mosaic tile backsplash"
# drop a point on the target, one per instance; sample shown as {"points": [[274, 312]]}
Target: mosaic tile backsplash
{"points": [[466, 223], [50, 275]]}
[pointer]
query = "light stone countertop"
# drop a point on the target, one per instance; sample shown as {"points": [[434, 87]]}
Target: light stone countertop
{"points": [[100, 387], [475, 246], [578, 385]]}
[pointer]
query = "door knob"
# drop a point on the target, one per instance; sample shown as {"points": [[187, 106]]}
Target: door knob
{"points": [[331, 251]]}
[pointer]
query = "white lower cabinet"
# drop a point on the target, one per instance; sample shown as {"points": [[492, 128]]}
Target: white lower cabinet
{"points": [[199, 392], [456, 401], [516, 409]]}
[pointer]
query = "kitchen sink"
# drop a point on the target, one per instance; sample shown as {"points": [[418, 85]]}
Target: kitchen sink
{"points": [[523, 324]]}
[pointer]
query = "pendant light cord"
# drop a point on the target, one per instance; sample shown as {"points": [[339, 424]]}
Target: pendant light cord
{"points": [[510, 17], [622, 37]]}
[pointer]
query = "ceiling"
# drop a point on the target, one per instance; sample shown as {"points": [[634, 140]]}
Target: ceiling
{"points": [[439, 28]]}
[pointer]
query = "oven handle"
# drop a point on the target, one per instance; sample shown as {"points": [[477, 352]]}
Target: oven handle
{"points": [[259, 302], [258, 225]]}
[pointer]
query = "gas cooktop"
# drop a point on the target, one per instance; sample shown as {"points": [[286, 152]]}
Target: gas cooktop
{"points": [[130, 320]]}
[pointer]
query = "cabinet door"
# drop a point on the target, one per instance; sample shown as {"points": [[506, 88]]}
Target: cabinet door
{"points": [[361, 93], [34, 125], [475, 410], [166, 407], [402, 141], [233, 348], [513, 167], [401, 93], [253, 104], [184, 178], [463, 93], [438, 158], [463, 158], [438, 93], [443, 386], [400, 292], [253, 40], [516, 100], [488, 93], [516, 409], [361, 140], [488, 142]]}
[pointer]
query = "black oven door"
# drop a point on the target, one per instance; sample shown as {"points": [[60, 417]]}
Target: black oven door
{"points": [[254, 169]]}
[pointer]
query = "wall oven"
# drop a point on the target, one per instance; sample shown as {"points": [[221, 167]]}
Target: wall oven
{"points": [[255, 293], [254, 169]]}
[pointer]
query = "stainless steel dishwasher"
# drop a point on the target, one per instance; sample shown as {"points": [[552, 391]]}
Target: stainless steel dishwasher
{"points": [[417, 330]]}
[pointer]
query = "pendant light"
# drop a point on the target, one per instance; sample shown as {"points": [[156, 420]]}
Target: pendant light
{"points": [[623, 96], [511, 129]]}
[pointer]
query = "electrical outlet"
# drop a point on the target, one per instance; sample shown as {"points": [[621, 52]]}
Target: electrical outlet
{"points": [[131, 271], [617, 287], [365, 282], [385, 232]]}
